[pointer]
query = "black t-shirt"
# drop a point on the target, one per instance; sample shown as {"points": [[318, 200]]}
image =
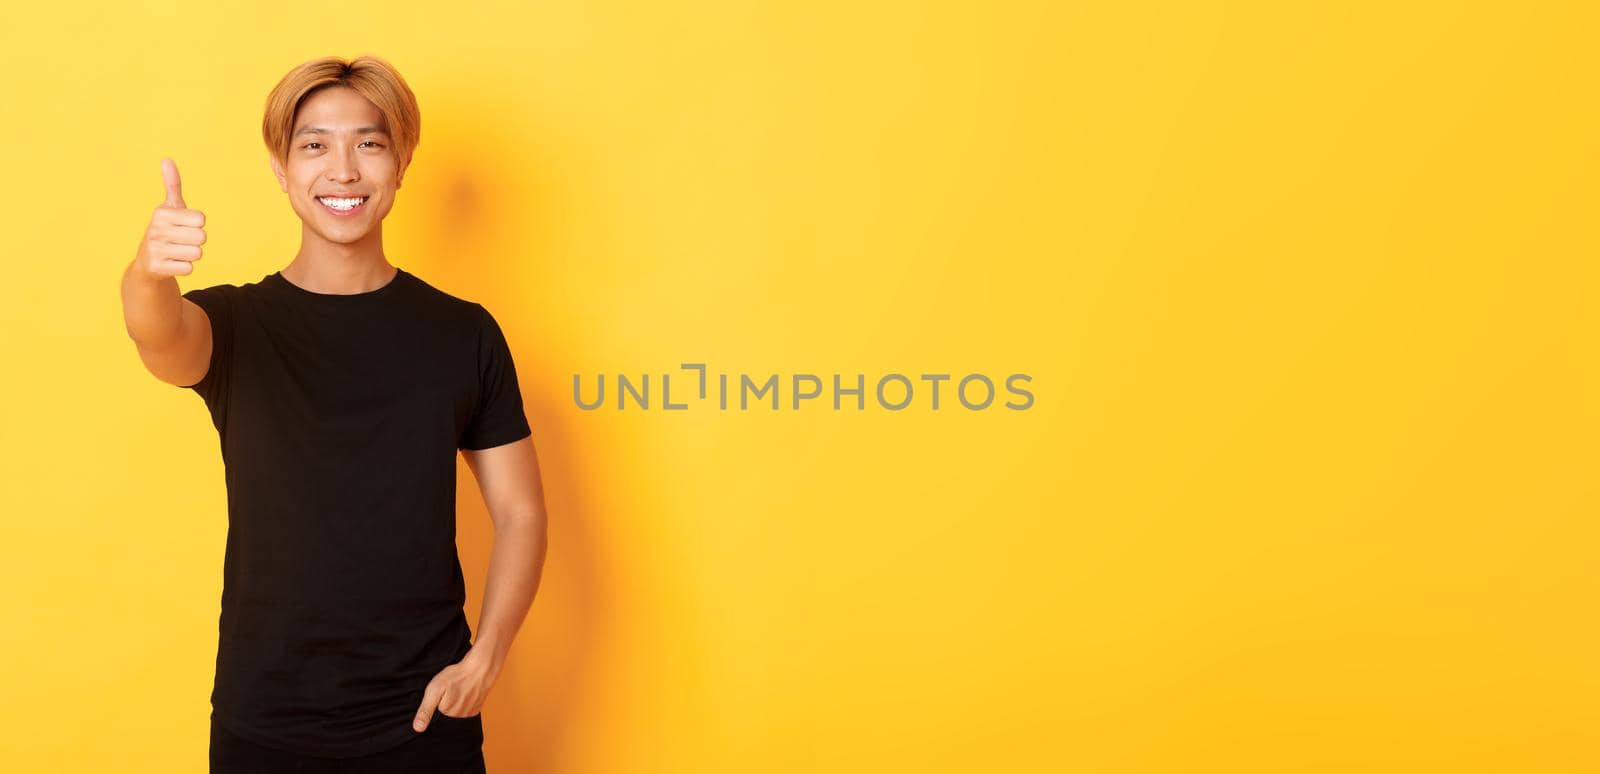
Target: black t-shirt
{"points": [[339, 418]]}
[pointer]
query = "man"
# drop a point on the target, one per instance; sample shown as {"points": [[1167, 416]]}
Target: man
{"points": [[341, 387]]}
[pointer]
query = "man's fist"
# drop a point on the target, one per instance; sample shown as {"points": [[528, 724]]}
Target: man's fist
{"points": [[172, 242]]}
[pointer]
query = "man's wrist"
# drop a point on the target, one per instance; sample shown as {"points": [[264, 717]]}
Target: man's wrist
{"points": [[485, 655]]}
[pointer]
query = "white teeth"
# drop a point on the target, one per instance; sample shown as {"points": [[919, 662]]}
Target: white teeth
{"points": [[341, 204]]}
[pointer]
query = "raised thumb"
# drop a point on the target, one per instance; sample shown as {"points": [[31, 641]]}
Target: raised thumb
{"points": [[169, 173]]}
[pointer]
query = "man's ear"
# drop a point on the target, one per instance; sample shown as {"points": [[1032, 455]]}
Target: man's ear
{"points": [[277, 171]]}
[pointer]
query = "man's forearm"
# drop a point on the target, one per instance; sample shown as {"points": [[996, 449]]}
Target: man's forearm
{"points": [[515, 566], [152, 308]]}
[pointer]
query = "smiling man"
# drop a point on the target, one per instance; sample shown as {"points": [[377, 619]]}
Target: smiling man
{"points": [[341, 388]]}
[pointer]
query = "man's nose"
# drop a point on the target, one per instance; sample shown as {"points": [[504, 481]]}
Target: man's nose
{"points": [[343, 167]]}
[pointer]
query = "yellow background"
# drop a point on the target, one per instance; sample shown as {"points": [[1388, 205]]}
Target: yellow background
{"points": [[1306, 292]]}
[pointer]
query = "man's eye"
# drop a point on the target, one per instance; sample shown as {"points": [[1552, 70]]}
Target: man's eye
{"points": [[374, 143]]}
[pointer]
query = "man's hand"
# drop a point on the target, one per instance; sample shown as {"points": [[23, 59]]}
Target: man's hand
{"points": [[458, 690], [172, 241]]}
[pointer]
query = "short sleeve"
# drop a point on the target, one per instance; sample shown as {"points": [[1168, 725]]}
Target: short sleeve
{"points": [[497, 418], [218, 303]]}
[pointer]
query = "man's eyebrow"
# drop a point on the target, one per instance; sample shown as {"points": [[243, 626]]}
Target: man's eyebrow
{"points": [[359, 130]]}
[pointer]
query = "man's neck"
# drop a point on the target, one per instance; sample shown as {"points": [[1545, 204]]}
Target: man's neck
{"points": [[330, 267]]}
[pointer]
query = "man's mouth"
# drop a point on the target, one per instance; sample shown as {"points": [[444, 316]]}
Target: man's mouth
{"points": [[342, 206]]}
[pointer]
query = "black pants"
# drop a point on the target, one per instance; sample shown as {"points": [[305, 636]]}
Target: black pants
{"points": [[454, 746]]}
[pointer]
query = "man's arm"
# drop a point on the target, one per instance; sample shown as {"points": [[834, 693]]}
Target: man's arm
{"points": [[508, 476], [172, 333]]}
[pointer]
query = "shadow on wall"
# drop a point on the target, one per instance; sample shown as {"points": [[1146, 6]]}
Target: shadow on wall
{"points": [[473, 224]]}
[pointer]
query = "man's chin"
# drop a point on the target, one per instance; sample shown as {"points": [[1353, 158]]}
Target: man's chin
{"points": [[338, 237]]}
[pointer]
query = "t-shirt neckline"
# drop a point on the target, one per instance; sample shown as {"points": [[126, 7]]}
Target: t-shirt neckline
{"points": [[387, 287]]}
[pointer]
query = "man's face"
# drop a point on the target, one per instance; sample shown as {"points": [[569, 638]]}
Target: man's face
{"points": [[340, 148]]}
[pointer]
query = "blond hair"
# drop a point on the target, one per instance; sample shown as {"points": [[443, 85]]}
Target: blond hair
{"points": [[372, 77]]}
